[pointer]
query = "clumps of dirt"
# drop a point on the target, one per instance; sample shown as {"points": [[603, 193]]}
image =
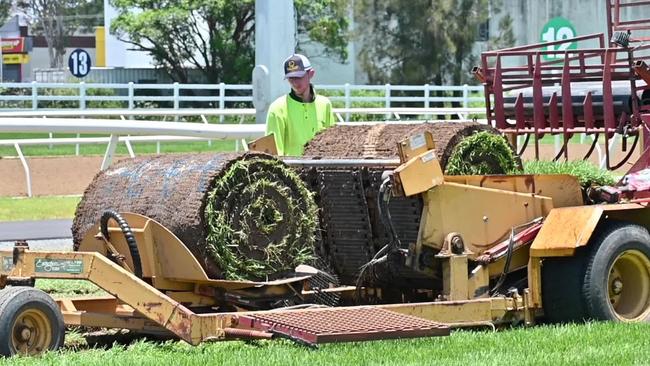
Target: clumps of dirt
{"points": [[379, 141], [243, 216]]}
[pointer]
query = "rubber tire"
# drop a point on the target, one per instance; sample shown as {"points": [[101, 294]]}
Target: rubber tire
{"points": [[562, 282], [606, 247], [15, 300]]}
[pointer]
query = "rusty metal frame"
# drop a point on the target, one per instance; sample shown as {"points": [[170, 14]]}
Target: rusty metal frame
{"points": [[615, 23], [143, 298], [140, 304], [134, 304], [600, 64]]}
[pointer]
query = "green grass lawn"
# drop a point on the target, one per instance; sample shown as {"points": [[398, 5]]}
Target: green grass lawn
{"points": [[100, 149], [573, 344], [589, 344], [68, 288], [38, 208]]}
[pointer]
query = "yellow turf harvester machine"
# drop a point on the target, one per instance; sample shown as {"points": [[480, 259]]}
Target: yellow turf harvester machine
{"points": [[489, 251]]}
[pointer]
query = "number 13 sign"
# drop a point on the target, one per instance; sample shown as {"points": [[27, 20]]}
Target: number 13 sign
{"points": [[79, 63]]}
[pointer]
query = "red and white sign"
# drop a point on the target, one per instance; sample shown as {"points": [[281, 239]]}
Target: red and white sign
{"points": [[13, 45]]}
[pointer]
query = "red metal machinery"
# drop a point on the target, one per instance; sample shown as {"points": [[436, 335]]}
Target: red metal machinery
{"points": [[601, 88]]}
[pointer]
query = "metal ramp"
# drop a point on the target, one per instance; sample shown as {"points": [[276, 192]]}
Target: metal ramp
{"points": [[327, 325]]}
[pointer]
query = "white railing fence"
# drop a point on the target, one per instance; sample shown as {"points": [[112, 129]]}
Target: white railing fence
{"points": [[120, 131], [36, 96], [200, 115], [116, 109]]}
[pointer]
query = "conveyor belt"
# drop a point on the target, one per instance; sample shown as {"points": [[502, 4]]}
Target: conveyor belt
{"points": [[344, 220], [351, 227]]}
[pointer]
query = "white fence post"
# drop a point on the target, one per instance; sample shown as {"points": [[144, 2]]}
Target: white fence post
{"points": [[387, 100], [131, 96], [82, 105], [465, 96], [222, 105], [176, 95], [34, 95], [427, 98], [110, 151], [82, 95], [222, 99], [28, 175], [347, 101]]}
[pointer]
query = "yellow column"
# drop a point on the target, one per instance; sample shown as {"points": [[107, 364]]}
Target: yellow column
{"points": [[100, 47]]}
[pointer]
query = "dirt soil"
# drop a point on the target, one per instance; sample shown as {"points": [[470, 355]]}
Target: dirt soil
{"points": [[50, 175], [380, 141]]}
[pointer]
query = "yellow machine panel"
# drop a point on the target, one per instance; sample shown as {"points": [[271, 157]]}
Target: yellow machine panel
{"points": [[265, 144], [568, 228], [415, 145], [484, 216], [563, 189], [419, 174]]}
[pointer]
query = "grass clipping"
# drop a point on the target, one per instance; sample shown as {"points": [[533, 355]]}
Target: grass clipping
{"points": [[488, 153], [482, 153], [261, 220], [587, 173]]}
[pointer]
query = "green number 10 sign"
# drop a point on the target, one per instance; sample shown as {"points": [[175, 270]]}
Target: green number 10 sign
{"points": [[558, 29]]}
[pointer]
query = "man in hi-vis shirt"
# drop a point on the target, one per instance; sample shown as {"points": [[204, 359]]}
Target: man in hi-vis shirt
{"points": [[294, 118]]}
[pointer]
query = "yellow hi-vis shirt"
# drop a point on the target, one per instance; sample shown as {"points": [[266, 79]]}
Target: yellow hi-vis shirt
{"points": [[294, 123]]}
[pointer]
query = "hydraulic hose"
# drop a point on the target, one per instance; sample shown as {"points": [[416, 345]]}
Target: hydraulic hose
{"points": [[128, 235], [367, 273], [385, 194]]}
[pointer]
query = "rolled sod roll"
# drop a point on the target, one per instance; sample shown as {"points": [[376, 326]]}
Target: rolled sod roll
{"points": [[243, 216], [379, 141], [483, 153]]}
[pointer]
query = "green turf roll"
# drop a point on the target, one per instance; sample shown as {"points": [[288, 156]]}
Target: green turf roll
{"points": [[482, 153], [243, 216], [260, 220]]}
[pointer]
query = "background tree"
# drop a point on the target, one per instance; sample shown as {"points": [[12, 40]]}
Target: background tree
{"points": [[422, 41], [216, 36], [56, 20], [505, 38], [5, 9], [324, 23]]}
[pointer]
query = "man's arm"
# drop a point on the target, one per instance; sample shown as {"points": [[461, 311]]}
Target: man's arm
{"points": [[276, 125]]}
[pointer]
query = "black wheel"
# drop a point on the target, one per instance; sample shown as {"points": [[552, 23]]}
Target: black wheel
{"points": [[30, 322], [562, 280], [617, 277]]}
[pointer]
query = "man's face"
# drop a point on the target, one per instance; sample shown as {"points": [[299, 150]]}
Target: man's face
{"points": [[301, 85]]}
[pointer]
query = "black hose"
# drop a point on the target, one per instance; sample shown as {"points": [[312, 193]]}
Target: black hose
{"points": [[509, 253], [367, 274], [128, 235], [385, 194], [506, 266]]}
